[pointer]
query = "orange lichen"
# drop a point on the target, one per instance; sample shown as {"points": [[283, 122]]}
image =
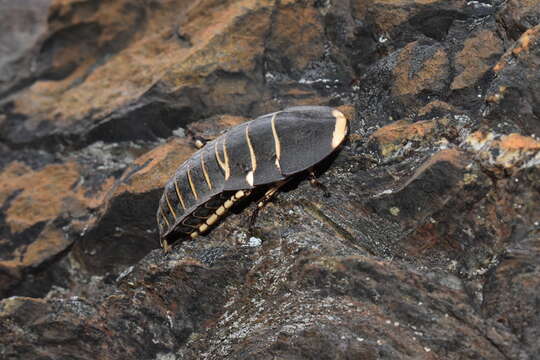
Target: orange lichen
{"points": [[48, 243], [521, 46], [453, 156], [219, 39], [519, 142], [430, 74], [514, 149], [391, 137], [499, 66], [436, 104], [44, 194], [524, 41], [474, 58], [156, 166]]}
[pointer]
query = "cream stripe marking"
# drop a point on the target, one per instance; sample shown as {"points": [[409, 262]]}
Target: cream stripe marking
{"points": [[223, 164], [212, 219], [169, 205], [164, 217], [179, 196], [250, 175], [220, 211], [340, 130], [191, 185], [277, 144], [205, 172]]}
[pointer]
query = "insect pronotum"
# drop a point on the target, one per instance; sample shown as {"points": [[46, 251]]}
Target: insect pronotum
{"points": [[263, 151]]}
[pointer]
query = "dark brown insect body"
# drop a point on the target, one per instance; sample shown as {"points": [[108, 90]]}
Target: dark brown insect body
{"points": [[263, 151]]}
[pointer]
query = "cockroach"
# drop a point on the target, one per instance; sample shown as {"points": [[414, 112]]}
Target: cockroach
{"points": [[261, 152]]}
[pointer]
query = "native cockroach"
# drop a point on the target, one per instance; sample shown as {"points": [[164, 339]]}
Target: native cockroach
{"points": [[267, 150]]}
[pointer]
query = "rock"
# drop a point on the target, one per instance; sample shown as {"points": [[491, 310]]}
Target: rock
{"points": [[476, 58], [429, 75], [23, 27], [80, 321], [38, 206], [394, 138], [112, 240], [510, 292], [353, 316], [512, 98], [504, 152], [519, 16], [423, 244]]}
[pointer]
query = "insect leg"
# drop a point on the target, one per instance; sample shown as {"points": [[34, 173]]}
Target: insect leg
{"points": [[268, 195], [251, 222], [198, 141], [266, 199], [165, 245], [317, 184], [199, 144]]}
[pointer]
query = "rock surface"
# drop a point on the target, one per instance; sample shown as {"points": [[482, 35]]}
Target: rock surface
{"points": [[427, 246]]}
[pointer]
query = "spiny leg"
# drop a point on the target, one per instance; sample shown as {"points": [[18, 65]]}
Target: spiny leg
{"points": [[317, 184], [165, 245], [198, 140], [265, 199]]}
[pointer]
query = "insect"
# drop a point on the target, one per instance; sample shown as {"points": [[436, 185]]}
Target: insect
{"points": [[264, 151]]}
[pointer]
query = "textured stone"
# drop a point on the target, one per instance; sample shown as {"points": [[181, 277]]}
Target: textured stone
{"points": [[413, 77], [36, 207], [423, 244], [23, 26], [512, 98], [112, 240], [476, 58], [392, 138], [519, 16]]}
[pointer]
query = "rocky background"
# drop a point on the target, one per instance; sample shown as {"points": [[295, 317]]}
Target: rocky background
{"points": [[428, 246]]}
